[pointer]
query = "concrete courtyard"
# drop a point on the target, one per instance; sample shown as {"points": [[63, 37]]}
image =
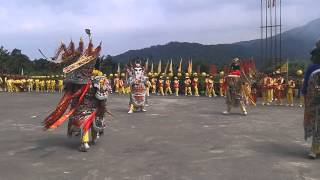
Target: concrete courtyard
{"points": [[184, 138]]}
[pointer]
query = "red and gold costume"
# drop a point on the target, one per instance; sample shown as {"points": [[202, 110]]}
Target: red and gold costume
{"points": [[86, 95], [279, 90]]}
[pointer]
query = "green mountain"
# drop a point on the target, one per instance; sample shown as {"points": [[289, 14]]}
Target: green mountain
{"points": [[296, 45]]}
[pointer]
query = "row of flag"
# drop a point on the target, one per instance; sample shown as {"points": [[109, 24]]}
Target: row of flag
{"points": [[247, 64]]}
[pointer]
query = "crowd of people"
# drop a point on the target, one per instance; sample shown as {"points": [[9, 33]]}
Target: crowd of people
{"points": [[272, 88], [10, 83]]}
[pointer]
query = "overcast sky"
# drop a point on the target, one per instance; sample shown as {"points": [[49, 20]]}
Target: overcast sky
{"points": [[133, 24]]}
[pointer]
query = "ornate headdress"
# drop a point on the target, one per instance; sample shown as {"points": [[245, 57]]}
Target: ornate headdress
{"points": [[79, 63]]}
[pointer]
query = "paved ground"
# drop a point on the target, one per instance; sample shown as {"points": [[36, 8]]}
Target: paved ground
{"points": [[177, 139]]}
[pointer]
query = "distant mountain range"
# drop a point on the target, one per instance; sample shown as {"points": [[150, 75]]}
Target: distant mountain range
{"points": [[296, 45]]}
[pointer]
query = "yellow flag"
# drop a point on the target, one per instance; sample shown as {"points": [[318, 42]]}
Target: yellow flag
{"points": [[159, 67], [190, 67], [165, 70], [152, 67], [118, 70], [180, 66]]}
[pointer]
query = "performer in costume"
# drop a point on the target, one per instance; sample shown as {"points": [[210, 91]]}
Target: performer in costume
{"points": [[86, 95], [290, 89], [116, 82], [311, 91], [137, 82], [195, 84], [42, 85], [121, 89], [269, 90], [176, 86], [53, 85], [37, 82], [30, 84], [187, 86], [236, 91], [206, 83], [168, 86], [211, 91], [153, 84], [60, 85], [160, 86], [279, 90], [264, 88], [48, 85], [148, 86], [222, 84]]}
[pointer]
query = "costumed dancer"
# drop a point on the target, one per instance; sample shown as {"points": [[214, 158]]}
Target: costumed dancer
{"points": [[279, 90], [290, 89], [236, 91], [148, 86], [176, 86], [206, 83], [311, 91], [195, 84], [269, 90], [168, 86], [116, 82], [153, 84], [85, 93], [160, 86], [211, 91], [187, 86], [264, 88], [53, 85], [121, 89], [60, 85], [37, 82], [42, 85], [222, 84], [48, 85], [30, 84], [137, 82]]}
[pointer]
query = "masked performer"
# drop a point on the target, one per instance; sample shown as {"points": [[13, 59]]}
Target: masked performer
{"points": [[236, 92], [311, 92], [137, 82], [86, 94]]}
